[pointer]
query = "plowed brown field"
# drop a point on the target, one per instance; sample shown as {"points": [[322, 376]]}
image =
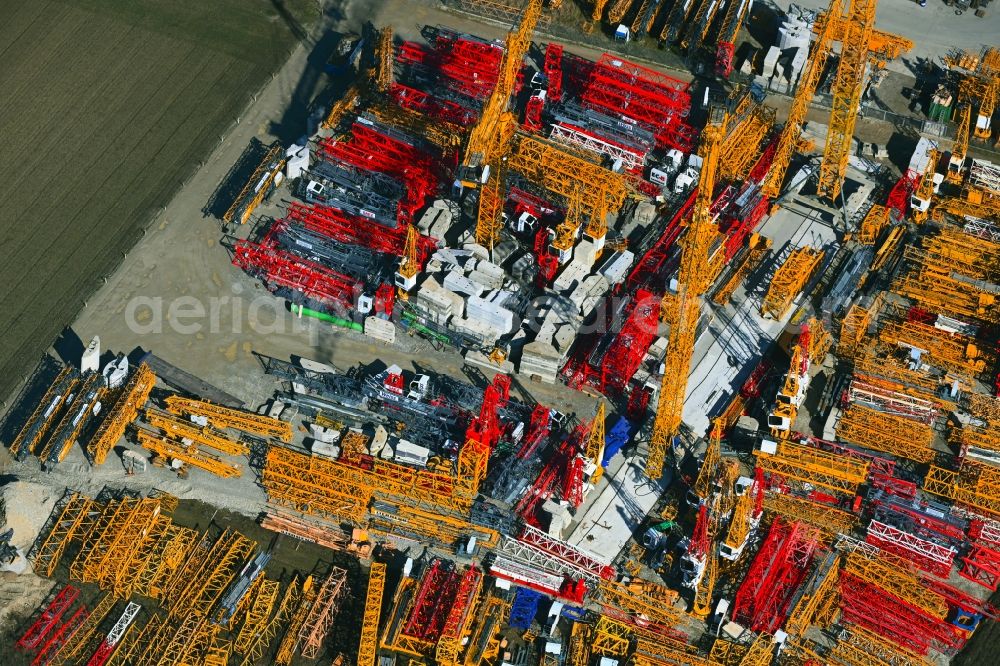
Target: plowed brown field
{"points": [[106, 106]]}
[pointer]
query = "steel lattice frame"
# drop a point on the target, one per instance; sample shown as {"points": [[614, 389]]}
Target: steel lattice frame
{"points": [[292, 479], [129, 577], [460, 616], [257, 613], [982, 493], [820, 597], [865, 645], [64, 531], [789, 280], [180, 428], [927, 555], [72, 651], [804, 94], [226, 559], [829, 520], [654, 602], [227, 417], [610, 638], [165, 558], [263, 638], [175, 450], [764, 598], [40, 628], [880, 610], [368, 639], [37, 424], [290, 641], [322, 613], [951, 351], [548, 165], [884, 573]]}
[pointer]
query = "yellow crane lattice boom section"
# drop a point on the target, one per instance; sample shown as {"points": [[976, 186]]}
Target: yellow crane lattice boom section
{"points": [[261, 640], [972, 487], [654, 601], [485, 145], [827, 519], [610, 638], [692, 285], [808, 84], [853, 329], [847, 89], [595, 442], [189, 455], [124, 411], [890, 433], [257, 614], [789, 281], [550, 166], [179, 428], [809, 465], [257, 186], [227, 417], [896, 581], [821, 596], [65, 530], [373, 609], [759, 248], [951, 351]]}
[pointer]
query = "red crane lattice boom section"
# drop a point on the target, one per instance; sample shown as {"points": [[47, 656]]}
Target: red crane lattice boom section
{"points": [[654, 100], [375, 149]]}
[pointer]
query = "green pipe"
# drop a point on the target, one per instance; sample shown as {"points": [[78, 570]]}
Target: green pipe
{"points": [[411, 321], [322, 316]]}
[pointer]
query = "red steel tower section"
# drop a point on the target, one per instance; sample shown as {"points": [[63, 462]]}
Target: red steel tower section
{"points": [[41, 627], [869, 605], [552, 67], [538, 430], [432, 602], [765, 596], [628, 349], [280, 269]]}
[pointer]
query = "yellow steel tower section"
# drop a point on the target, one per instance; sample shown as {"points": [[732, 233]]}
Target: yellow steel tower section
{"points": [[595, 443], [373, 608], [490, 138], [847, 90], [485, 141], [789, 139], [383, 75], [692, 285], [961, 145]]}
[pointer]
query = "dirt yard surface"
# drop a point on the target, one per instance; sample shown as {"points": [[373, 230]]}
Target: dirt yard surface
{"points": [[107, 106]]}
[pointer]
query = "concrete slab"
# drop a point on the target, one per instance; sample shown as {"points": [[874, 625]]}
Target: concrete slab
{"points": [[738, 337], [618, 509]]}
